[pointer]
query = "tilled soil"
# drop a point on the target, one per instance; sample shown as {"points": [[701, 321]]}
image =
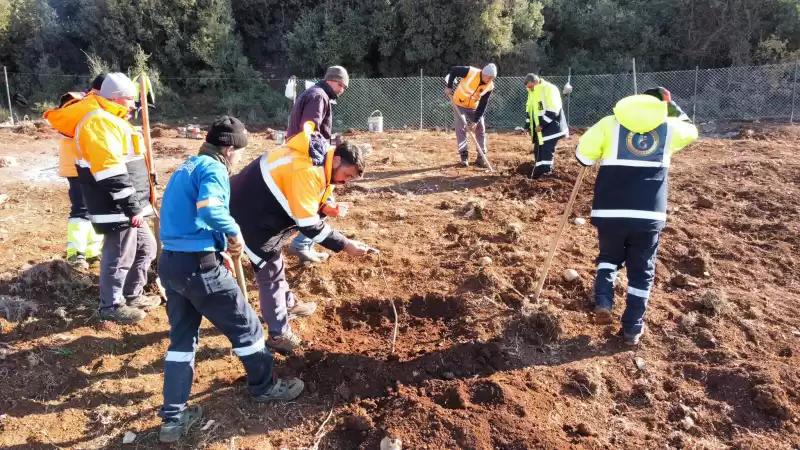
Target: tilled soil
{"points": [[718, 367]]}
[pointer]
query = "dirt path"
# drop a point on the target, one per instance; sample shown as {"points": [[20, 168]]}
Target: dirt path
{"points": [[720, 366]]}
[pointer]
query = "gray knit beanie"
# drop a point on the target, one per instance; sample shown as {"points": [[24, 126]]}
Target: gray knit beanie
{"points": [[117, 85], [490, 70], [338, 73]]}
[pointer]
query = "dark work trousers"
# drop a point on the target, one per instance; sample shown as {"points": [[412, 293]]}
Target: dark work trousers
{"points": [[543, 155], [635, 250], [274, 294], [194, 293], [77, 208]]}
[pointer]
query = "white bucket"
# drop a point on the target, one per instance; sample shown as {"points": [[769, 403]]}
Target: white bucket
{"points": [[375, 123]]}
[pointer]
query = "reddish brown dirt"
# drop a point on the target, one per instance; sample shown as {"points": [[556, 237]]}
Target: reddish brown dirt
{"points": [[470, 372]]}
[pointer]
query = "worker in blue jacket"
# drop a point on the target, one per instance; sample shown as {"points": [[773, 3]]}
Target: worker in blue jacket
{"points": [[196, 228], [634, 147]]}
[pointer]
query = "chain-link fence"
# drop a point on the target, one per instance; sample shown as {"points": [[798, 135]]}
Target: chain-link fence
{"points": [[735, 93]]}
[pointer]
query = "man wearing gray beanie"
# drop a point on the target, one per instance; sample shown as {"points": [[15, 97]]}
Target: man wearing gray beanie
{"points": [[471, 97], [314, 105], [115, 182]]}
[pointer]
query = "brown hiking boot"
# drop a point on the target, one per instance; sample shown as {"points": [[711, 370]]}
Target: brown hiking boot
{"points": [[602, 316], [286, 343], [123, 314], [301, 309], [144, 302]]}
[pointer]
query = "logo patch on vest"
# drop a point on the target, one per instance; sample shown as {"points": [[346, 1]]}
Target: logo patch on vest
{"points": [[541, 106], [643, 144]]}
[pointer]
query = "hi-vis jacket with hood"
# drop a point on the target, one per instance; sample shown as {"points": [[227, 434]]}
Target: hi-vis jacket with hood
{"points": [[544, 108], [634, 147], [66, 145], [281, 192], [109, 156]]}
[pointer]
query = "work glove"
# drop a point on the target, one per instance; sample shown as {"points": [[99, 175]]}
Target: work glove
{"points": [[235, 245]]}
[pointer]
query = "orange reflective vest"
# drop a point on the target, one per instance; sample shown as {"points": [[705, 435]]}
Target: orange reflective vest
{"points": [[470, 90]]}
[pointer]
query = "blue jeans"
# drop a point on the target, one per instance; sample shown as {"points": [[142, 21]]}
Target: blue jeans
{"points": [[212, 293], [635, 250], [301, 242]]}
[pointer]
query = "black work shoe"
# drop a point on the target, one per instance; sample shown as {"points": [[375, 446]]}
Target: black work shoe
{"points": [[172, 431], [479, 162]]}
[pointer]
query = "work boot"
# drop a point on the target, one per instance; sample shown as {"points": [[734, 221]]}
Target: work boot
{"points": [[286, 343], [123, 314], [479, 162], [301, 309], [144, 302], [464, 162], [602, 316], [78, 262], [173, 430], [283, 390], [632, 339], [308, 255]]}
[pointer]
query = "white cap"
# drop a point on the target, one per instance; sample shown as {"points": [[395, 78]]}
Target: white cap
{"points": [[117, 85], [490, 70]]}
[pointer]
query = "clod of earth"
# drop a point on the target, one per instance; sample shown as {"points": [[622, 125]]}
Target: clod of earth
{"points": [[485, 261], [400, 213], [514, 231], [474, 209], [640, 363], [705, 202], [584, 430], [583, 383], [687, 423], [715, 302], [357, 419]]}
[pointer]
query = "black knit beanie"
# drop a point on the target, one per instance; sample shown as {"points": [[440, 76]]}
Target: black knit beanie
{"points": [[227, 132]]}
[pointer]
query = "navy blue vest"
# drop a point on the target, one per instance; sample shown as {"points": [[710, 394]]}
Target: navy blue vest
{"points": [[631, 188]]}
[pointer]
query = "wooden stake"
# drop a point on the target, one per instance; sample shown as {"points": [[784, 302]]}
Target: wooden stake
{"points": [[554, 245]]}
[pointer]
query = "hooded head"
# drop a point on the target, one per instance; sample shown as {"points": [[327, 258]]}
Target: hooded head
{"points": [[640, 113]]}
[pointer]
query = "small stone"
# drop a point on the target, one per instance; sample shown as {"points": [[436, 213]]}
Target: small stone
{"points": [[208, 424], [4, 352], [8, 161], [687, 423], [241, 430], [705, 202], [485, 261], [640, 363], [129, 437], [129, 402], [579, 221], [679, 280], [571, 275], [400, 213], [60, 312], [311, 387], [584, 430], [448, 375], [3, 198], [390, 443]]}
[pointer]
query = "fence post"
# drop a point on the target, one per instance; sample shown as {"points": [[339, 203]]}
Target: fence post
{"points": [[635, 87], [420, 99], [8, 93], [794, 90], [694, 98]]}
